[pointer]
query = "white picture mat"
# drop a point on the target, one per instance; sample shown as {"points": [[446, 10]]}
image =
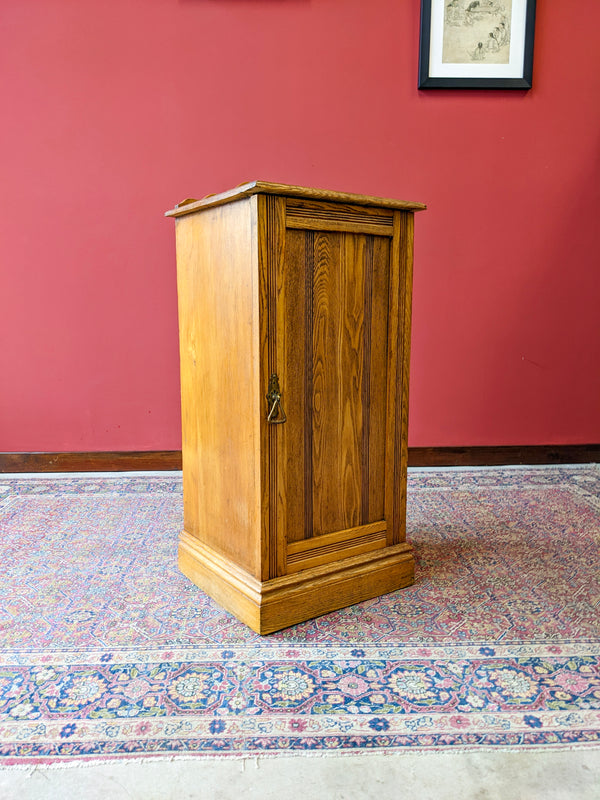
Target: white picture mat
{"points": [[514, 68]]}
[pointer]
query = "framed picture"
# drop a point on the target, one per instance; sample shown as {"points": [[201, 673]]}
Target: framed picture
{"points": [[476, 44]]}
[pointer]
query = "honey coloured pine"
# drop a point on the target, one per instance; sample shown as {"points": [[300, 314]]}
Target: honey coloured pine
{"points": [[294, 317]]}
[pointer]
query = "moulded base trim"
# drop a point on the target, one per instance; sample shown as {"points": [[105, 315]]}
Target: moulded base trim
{"points": [[271, 605]]}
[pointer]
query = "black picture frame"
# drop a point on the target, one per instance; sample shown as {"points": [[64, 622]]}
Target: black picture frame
{"points": [[475, 72]]}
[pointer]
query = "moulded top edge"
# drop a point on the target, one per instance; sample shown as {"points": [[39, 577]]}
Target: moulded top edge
{"points": [[264, 187]]}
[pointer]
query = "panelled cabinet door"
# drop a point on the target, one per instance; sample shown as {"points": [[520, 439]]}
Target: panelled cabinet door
{"points": [[336, 346]]}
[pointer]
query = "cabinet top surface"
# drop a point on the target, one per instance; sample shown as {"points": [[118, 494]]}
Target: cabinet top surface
{"points": [[264, 187]]}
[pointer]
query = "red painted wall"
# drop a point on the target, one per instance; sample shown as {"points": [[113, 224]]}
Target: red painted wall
{"points": [[115, 110]]}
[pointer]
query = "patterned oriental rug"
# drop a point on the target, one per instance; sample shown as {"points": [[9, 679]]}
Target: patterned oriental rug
{"points": [[108, 652]]}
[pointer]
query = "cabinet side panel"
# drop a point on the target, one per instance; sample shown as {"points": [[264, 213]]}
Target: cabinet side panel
{"points": [[217, 290]]}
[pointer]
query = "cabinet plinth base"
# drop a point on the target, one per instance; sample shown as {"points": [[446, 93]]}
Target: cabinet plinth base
{"points": [[271, 605]]}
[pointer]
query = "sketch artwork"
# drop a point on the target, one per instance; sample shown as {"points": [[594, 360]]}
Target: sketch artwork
{"points": [[477, 31]]}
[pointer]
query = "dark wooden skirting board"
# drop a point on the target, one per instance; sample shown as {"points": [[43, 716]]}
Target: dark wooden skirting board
{"points": [[91, 462], [499, 456], [154, 460]]}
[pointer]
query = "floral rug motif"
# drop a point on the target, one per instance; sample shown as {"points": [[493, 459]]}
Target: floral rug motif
{"points": [[107, 651]]}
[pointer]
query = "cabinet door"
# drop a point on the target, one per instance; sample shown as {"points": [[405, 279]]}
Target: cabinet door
{"points": [[339, 350]]}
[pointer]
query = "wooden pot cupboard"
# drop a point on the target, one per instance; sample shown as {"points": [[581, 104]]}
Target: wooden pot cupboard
{"points": [[294, 317]]}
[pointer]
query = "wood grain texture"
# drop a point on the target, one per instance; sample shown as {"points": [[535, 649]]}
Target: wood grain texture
{"points": [[263, 244], [308, 395], [303, 213], [325, 588], [285, 190], [337, 316], [366, 380], [219, 342], [170, 460], [503, 455], [268, 606], [337, 370], [394, 333], [377, 371], [294, 475], [98, 461], [313, 288], [404, 229], [332, 539], [271, 231], [334, 546]]}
